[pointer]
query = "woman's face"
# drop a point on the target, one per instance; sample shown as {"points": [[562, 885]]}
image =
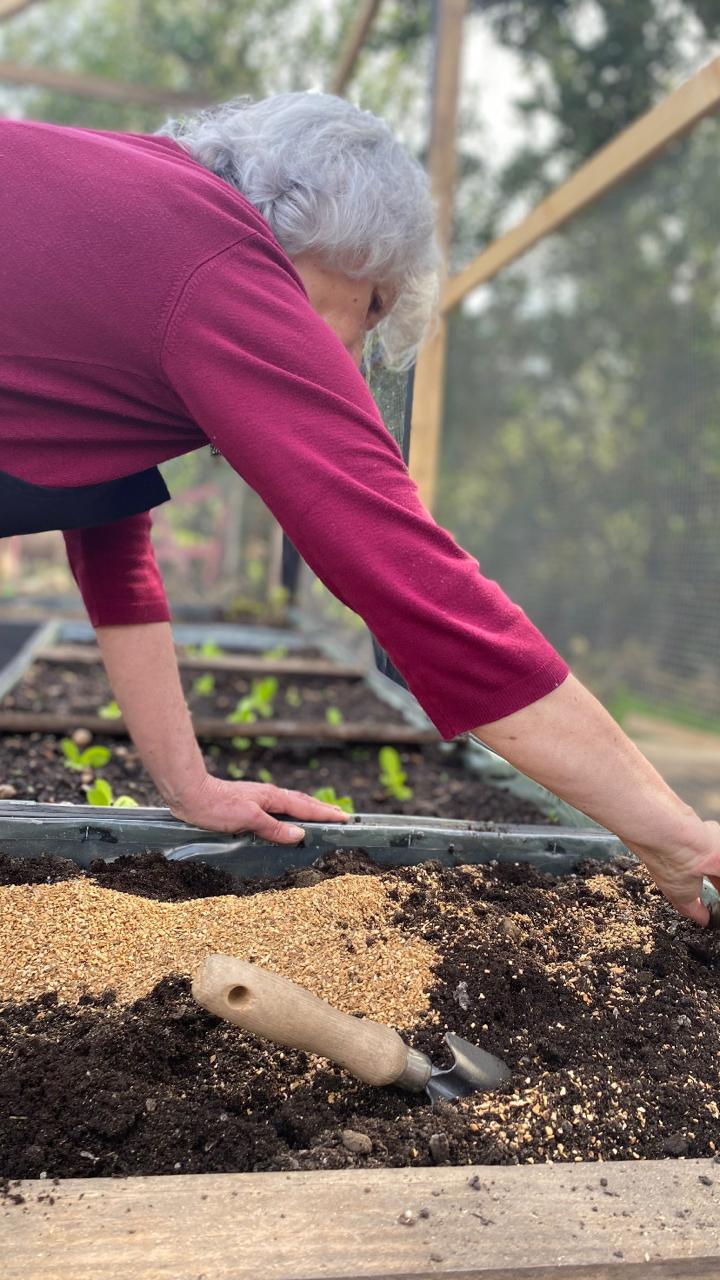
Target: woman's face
{"points": [[350, 307]]}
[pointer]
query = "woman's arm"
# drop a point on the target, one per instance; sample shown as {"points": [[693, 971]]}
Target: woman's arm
{"points": [[568, 742], [142, 669]]}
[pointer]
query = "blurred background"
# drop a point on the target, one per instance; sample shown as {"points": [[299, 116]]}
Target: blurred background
{"points": [[576, 446]]}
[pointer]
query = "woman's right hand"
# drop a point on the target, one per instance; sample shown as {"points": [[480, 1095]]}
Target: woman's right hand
{"points": [[679, 872]]}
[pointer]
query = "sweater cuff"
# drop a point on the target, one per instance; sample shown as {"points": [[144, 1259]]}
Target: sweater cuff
{"points": [[490, 706]]}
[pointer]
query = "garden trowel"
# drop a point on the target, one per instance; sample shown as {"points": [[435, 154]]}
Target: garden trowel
{"points": [[280, 1010]]}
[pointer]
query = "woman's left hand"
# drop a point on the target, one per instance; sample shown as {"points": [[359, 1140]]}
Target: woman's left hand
{"points": [[219, 805]]}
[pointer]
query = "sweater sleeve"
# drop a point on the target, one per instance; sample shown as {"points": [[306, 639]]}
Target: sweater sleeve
{"points": [[115, 568], [271, 386]]}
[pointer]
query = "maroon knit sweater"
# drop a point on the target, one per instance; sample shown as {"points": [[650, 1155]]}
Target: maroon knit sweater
{"points": [[146, 309]]}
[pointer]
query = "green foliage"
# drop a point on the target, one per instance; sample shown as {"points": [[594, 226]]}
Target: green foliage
{"points": [[334, 715], [234, 771], [101, 793], [90, 758], [241, 744], [204, 685], [264, 775], [392, 774], [293, 696], [110, 711], [328, 796]]}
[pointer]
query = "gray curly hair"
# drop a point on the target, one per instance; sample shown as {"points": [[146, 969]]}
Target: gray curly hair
{"points": [[333, 180]]}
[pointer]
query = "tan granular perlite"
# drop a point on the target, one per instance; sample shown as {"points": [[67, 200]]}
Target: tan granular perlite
{"points": [[76, 938]]}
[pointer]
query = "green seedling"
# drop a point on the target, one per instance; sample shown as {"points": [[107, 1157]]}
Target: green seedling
{"points": [[392, 774], [209, 649], [244, 712], [241, 744], [101, 793], [235, 771], [90, 758], [334, 715], [264, 775], [259, 701], [280, 651], [328, 796], [293, 696], [110, 711], [266, 742], [262, 694], [204, 685], [314, 763]]}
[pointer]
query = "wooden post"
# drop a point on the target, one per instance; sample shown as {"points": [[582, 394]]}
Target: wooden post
{"points": [[430, 372], [355, 42]]}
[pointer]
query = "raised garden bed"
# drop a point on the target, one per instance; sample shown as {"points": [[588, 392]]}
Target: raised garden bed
{"points": [[602, 1001], [604, 1004]]}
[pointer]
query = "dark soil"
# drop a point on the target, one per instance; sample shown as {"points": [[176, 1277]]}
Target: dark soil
{"points": [[79, 690], [33, 765], [602, 1001]]}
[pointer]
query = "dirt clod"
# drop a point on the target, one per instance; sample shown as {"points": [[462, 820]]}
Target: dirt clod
{"points": [[358, 1143]]}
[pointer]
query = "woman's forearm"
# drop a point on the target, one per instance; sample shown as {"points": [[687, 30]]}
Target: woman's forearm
{"points": [[142, 669], [568, 742]]}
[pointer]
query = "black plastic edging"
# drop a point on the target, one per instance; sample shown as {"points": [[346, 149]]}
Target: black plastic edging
{"points": [[83, 833]]}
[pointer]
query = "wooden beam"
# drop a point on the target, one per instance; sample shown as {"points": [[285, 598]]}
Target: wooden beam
{"points": [[240, 663], [632, 148], [8, 8], [526, 1222], [213, 729], [97, 87], [428, 393], [355, 41]]}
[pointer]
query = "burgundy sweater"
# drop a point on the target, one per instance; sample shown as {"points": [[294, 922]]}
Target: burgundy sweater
{"points": [[146, 309]]}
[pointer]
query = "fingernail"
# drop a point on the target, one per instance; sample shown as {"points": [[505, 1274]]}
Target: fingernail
{"points": [[297, 833]]}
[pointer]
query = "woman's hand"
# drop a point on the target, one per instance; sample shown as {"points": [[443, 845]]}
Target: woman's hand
{"points": [[219, 805], [678, 873]]}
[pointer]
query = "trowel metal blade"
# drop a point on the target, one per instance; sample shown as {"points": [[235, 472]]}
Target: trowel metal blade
{"points": [[473, 1070]]}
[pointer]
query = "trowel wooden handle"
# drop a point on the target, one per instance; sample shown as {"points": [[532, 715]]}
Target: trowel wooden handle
{"points": [[280, 1010]]}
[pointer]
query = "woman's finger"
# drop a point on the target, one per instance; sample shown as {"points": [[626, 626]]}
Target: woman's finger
{"points": [[269, 828], [297, 804]]}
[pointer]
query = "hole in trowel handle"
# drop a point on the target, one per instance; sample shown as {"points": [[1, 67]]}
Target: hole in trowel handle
{"points": [[238, 996]]}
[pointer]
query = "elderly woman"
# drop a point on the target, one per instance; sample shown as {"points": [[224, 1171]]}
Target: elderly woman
{"points": [[216, 283]]}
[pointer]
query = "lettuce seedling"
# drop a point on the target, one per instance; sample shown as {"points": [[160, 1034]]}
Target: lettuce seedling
{"points": [[262, 694], [328, 796], [101, 793], [280, 651], [207, 650], [264, 775], [90, 758], [392, 774], [293, 696], [204, 685], [110, 711], [334, 715], [244, 712], [234, 771], [241, 744]]}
